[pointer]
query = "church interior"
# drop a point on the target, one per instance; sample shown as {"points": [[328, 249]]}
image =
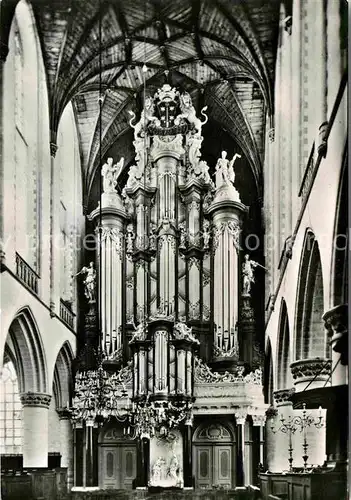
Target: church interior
{"points": [[174, 249]]}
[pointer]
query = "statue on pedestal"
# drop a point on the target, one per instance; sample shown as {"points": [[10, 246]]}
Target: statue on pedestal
{"points": [[89, 282], [224, 170], [110, 174], [248, 274]]}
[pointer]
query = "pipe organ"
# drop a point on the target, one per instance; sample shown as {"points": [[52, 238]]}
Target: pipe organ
{"points": [[170, 243], [169, 287]]}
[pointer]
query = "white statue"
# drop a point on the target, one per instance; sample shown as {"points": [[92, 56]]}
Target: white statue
{"points": [[248, 275], [147, 116], [183, 332], [173, 470], [110, 174], [158, 470], [188, 112], [194, 149], [89, 282], [127, 201], [206, 235], [130, 238], [140, 332], [182, 229], [225, 171]]}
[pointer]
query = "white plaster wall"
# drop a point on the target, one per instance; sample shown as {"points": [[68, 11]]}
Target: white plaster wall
{"points": [[320, 216], [52, 331]]}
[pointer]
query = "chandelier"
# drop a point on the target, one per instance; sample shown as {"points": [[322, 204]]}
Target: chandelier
{"points": [[100, 396]]}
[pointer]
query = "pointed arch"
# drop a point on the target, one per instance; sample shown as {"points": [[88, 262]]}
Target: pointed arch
{"points": [[283, 349], [268, 384], [62, 379], [24, 343], [341, 241], [310, 338]]}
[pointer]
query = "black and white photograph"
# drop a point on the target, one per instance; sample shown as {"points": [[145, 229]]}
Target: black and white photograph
{"points": [[174, 244]]}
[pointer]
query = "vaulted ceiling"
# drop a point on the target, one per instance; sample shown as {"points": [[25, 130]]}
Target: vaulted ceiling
{"points": [[221, 51]]}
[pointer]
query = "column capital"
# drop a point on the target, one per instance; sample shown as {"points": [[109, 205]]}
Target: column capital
{"points": [[259, 420], [63, 413], [36, 399], [240, 417], [282, 396]]}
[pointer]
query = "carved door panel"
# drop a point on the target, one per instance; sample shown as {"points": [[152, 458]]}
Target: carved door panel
{"points": [[203, 466], [109, 467], [222, 470], [117, 466], [128, 466]]}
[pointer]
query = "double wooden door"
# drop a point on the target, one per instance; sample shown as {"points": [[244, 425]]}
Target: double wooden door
{"points": [[117, 466], [213, 465]]}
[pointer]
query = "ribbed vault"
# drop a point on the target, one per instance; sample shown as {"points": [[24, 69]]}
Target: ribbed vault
{"points": [[221, 51]]}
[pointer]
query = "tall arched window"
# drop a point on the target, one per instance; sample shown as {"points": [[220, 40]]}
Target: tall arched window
{"points": [[283, 358], [11, 425], [310, 334]]}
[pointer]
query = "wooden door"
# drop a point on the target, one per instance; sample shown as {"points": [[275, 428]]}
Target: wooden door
{"points": [[109, 467], [128, 466], [203, 466], [222, 470], [117, 466]]}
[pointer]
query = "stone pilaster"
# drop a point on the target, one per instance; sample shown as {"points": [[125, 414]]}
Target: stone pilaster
{"points": [[35, 429], [54, 229], [66, 444]]}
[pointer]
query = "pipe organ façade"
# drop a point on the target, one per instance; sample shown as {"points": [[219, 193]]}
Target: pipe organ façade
{"points": [[180, 399]]}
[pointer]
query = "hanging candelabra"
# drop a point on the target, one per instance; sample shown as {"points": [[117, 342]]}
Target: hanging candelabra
{"points": [[99, 395], [298, 423]]}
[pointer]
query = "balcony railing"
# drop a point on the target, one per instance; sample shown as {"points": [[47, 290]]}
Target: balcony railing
{"points": [[26, 274], [66, 314]]}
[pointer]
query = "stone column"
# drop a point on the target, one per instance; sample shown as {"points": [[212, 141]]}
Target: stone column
{"points": [[240, 422], [66, 444], [336, 401], [110, 220], [89, 454], [227, 213], [278, 442], [260, 421], [35, 429]]}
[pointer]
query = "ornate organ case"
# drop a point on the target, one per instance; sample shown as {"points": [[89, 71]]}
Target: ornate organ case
{"points": [[169, 244]]}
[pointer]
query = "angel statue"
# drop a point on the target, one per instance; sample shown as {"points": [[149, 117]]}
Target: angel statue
{"points": [[89, 282], [248, 274], [110, 174], [225, 171]]}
